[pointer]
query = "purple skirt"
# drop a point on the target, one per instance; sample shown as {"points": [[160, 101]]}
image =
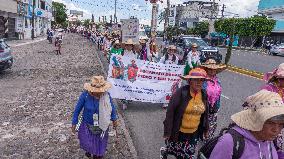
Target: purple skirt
{"points": [[91, 143]]}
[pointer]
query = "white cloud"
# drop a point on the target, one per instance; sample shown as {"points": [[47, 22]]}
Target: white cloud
{"points": [[244, 8], [71, 6]]}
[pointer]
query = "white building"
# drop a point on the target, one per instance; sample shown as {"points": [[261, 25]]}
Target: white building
{"points": [[42, 15], [191, 12]]}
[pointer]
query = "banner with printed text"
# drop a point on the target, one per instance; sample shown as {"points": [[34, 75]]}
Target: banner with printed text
{"points": [[144, 81]]}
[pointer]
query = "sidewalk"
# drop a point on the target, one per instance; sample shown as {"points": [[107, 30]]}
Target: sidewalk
{"points": [[16, 43]]}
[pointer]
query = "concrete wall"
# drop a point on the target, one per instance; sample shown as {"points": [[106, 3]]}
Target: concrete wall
{"points": [[8, 6]]}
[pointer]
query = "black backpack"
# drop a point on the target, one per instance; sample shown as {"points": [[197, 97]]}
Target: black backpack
{"points": [[238, 149]]}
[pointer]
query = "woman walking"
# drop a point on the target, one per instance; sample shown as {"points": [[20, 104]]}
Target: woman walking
{"points": [[98, 112], [258, 124], [213, 90], [186, 118], [192, 59], [170, 57], [275, 83], [130, 55]]}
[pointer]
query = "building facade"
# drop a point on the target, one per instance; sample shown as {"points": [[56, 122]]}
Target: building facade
{"points": [[189, 13], [16, 18], [273, 9], [8, 15]]}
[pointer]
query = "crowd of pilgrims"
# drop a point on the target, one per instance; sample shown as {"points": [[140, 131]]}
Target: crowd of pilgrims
{"points": [[191, 115]]}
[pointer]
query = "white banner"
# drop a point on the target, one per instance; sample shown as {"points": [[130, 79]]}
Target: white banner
{"points": [[143, 81]]}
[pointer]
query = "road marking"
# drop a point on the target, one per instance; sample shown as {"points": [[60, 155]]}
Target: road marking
{"points": [[26, 43], [244, 74], [225, 97]]}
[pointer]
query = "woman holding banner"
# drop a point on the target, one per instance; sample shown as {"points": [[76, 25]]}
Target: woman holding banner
{"points": [[131, 55], [186, 119], [170, 57]]}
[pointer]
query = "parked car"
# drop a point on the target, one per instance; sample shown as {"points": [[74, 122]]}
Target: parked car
{"points": [[277, 49], [6, 59], [184, 43]]}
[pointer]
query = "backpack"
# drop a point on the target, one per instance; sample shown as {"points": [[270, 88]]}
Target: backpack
{"points": [[238, 149]]}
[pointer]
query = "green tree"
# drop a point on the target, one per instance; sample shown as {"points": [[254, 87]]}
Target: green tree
{"points": [[256, 27], [87, 23], [78, 23], [201, 29], [230, 27], [253, 27], [60, 13]]}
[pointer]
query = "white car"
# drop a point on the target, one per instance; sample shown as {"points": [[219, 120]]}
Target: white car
{"points": [[277, 49]]}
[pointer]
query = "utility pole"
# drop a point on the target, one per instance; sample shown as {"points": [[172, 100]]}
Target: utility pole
{"points": [[33, 20], [154, 19], [211, 21], [115, 5], [167, 18], [223, 10]]}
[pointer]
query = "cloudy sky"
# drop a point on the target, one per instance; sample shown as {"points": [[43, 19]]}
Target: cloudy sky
{"points": [[142, 9]]}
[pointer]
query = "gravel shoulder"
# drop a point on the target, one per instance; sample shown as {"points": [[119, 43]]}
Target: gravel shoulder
{"points": [[37, 99]]}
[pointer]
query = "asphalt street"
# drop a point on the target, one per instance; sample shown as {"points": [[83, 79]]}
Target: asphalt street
{"points": [[253, 60], [145, 120]]}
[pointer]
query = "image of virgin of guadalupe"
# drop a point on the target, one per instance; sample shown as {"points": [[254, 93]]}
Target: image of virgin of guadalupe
{"points": [[132, 70], [117, 68]]}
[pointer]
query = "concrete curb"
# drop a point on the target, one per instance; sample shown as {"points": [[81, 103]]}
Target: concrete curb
{"points": [[29, 42], [122, 122], [247, 72]]}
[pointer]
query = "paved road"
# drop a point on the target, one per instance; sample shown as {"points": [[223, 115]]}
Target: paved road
{"points": [[254, 60], [145, 120], [251, 60]]}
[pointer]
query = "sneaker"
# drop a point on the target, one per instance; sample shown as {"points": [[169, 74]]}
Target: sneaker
{"points": [[165, 105], [124, 106], [163, 153]]}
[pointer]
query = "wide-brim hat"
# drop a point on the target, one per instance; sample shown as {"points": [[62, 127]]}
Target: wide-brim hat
{"points": [[129, 42], [196, 73], [143, 41], [97, 85], [212, 64], [277, 73], [259, 108], [194, 45]]}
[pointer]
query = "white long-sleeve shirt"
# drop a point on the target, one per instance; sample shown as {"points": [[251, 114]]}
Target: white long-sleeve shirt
{"points": [[195, 58]]}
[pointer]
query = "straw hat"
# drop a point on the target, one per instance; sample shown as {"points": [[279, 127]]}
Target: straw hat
{"points": [[194, 45], [143, 41], [258, 108], [277, 73], [97, 85], [129, 42], [196, 73], [212, 64]]}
